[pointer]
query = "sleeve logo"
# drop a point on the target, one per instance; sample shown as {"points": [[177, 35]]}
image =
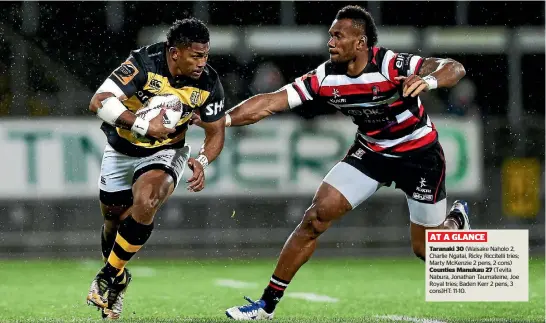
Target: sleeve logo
{"points": [[126, 72], [215, 108]]}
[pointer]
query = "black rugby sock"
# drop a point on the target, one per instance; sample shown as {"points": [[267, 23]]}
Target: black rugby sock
{"points": [[130, 238], [273, 293], [106, 242]]}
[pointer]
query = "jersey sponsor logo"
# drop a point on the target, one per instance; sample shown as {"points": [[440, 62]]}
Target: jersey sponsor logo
{"points": [[366, 112], [126, 72], [144, 95], [399, 61], [402, 63], [337, 101], [214, 108]]}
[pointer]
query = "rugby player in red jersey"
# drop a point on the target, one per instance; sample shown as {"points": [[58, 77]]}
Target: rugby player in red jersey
{"points": [[396, 141]]}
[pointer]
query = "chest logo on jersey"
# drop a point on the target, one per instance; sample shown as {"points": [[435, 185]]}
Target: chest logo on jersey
{"points": [[194, 97], [155, 84], [375, 92], [337, 99]]}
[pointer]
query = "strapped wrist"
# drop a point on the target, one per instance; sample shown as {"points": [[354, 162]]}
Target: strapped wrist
{"points": [[228, 120], [203, 160], [431, 81], [140, 126]]}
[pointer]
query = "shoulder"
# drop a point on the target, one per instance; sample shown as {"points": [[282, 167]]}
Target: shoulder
{"points": [[323, 70], [149, 57], [381, 54], [210, 79]]}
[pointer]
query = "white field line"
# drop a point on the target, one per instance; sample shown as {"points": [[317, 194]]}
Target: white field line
{"points": [[311, 297], [235, 283], [400, 318]]}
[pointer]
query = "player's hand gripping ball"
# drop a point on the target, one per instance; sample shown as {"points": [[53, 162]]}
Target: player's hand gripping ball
{"points": [[168, 107]]}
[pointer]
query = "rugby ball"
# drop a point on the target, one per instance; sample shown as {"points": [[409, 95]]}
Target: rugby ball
{"points": [[173, 111]]}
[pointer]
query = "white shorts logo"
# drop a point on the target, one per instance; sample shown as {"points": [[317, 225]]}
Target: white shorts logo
{"points": [[422, 197]]}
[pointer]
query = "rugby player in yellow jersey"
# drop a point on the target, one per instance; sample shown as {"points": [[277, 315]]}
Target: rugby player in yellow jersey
{"points": [[137, 176]]}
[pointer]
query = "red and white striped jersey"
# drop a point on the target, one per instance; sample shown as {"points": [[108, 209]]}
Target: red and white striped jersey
{"points": [[388, 123]]}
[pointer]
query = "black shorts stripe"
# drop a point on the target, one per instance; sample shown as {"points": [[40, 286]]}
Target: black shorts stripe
{"points": [[167, 169], [120, 198]]}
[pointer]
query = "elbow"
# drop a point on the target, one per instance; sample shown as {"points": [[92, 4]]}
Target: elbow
{"points": [[461, 69], [94, 105], [96, 101]]}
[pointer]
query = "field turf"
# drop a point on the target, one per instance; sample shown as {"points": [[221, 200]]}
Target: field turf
{"points": [[325, 290]]}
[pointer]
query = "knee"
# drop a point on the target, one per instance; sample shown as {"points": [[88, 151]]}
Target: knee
{"points": [[146, 203], [314, 223]]}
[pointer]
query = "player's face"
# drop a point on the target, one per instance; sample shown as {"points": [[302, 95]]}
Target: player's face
{"points": [[192, 60], [344, 41]]}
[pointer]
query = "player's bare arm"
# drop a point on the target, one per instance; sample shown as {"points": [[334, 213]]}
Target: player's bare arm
{"points": [[258, 107], [434, 73], [109, 108], [215, 133]]}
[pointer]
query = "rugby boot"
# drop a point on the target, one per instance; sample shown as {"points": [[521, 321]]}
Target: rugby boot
{"points": [[460, 211], [253, 311], [115, 297]]}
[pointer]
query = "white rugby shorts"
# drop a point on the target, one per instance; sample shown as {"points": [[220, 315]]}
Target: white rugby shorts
{"points": [[118, 171]]}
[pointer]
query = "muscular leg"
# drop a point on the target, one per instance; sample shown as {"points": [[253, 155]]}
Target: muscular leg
{"points": [[328, 205], [150, 190], [343, 189], [112, 215], [115, 206]]}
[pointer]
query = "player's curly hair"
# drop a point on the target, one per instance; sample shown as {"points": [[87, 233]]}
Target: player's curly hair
{"points": [[186, 31], [363, 19]]}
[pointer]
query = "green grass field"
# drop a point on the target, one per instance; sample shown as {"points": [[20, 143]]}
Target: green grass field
{"points": [[367, 290]]}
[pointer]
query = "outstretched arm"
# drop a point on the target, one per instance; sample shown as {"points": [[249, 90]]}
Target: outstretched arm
{"points": [[258, 107]]}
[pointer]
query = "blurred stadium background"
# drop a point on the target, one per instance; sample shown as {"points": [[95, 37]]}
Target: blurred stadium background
{"points": [[491, 124]]}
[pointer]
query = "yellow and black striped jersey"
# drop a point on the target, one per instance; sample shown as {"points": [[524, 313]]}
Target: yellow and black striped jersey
{"points": [[145, 74]]}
